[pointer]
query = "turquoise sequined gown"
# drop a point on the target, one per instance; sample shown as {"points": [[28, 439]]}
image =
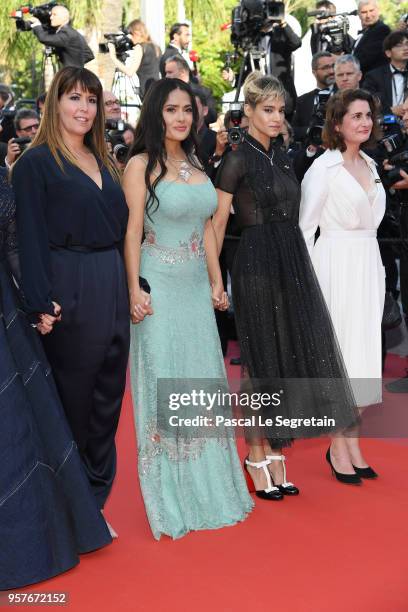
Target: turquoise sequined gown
{"points": [[198, 483]]}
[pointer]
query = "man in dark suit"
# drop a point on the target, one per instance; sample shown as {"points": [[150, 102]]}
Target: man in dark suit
{"points": [[71, 47], [179, 41], [368, 45], [323, 70], [280, 42], [389, 82]]}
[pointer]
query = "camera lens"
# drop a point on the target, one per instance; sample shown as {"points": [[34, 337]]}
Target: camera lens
{"points": [[234, 135]]}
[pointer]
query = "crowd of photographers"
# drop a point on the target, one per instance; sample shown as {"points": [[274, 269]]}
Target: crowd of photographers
{"points": [[264, 37]]}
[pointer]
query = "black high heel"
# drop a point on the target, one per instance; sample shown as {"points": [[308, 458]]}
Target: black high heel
{"points": [[271, 492], [345, 478], [367, 472]]}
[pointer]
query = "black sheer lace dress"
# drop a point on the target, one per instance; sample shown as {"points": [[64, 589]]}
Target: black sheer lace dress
{"points": [[288, 344]]}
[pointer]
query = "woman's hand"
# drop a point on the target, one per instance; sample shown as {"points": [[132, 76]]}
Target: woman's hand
{"points": [[219, 296], [140, 306], [47, 321]]}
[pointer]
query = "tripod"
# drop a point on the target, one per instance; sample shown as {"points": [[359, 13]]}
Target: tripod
{"points": [[128, 92], [254, 59], [48, 68]]}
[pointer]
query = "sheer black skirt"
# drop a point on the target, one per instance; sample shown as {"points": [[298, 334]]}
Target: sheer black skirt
{"points": [[288, 344]]}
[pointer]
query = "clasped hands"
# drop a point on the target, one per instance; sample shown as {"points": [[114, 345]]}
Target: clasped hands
{"points": [[47, 321], [219, 296], [140, 305]]}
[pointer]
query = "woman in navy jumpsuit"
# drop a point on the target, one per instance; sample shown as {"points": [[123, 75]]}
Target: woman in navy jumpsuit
{"points": [[71, 220]]}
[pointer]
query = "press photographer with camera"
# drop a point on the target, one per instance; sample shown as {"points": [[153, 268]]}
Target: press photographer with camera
{"points": [[368, 45], [26, 124], [389, 82], [7, 113], [265, 36], [395, 177], [70, 46], [142, 60], [330, 30], [309, 103]]}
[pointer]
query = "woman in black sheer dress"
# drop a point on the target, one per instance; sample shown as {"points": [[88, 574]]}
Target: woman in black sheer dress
{"points": [[286, 336]]}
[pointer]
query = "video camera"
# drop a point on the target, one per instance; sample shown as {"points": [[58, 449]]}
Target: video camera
{"points": [[395, 145], [333, 29], [315, 129], [41, 12], [250, 20], [122, 42]]}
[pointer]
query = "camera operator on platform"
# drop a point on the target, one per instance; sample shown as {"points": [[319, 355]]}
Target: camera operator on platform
{"points": [[320, 41], [142, 60], [389, 82], [70, 46], [368, 45]]}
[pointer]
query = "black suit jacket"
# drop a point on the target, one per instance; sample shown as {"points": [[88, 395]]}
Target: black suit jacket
{"points": [[303, 114], [70, 45], [369, 50], [283, 41], [379, 82]]}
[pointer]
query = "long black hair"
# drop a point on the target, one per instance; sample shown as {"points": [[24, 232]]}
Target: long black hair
{"points": [[151, 130]]}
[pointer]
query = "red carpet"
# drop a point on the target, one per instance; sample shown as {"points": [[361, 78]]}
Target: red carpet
{"points": [[334, 548]]}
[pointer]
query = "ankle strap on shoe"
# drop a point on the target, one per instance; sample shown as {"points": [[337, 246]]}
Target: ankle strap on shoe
{"points": [[263, 465], [257, 464], [282, 458]]}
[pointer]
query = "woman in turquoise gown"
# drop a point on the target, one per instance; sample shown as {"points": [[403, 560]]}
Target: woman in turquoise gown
{"points": [[188, 482]]}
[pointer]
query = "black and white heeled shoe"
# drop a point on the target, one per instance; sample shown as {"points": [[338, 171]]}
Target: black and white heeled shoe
{"points": [[287, 488], [271, 492]]}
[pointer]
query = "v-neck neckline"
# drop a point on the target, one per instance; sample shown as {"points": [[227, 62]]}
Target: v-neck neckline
{"points": [[358, 182], [91, 179]]}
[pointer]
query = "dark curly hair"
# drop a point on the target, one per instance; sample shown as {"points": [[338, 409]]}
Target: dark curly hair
{"points": [[337, 107]]}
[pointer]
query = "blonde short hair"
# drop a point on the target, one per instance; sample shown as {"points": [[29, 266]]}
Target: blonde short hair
{"points": [[257, 88]]}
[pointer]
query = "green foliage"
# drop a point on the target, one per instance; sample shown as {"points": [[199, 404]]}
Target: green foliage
{"points": [[391, 10], [22, 53]]}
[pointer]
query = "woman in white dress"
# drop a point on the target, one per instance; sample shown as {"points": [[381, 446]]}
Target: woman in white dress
{"points": [[343, 196]]}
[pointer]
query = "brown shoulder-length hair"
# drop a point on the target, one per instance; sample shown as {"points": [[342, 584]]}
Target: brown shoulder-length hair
{"points": [[337, 107], [49, 132]]}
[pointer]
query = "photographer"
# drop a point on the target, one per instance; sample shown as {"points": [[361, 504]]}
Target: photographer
{"points": [[26, 124], [322, 38], [71, 47], [275, 40], [142, 60], [401, 193], [306, 105], [6, 113]]}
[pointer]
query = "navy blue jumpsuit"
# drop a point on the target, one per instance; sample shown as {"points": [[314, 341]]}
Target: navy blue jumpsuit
{"points": [[70, 235]]}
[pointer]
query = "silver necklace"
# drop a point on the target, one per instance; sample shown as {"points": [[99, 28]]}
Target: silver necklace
{"points": [[262, 152], [184, 172]]}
